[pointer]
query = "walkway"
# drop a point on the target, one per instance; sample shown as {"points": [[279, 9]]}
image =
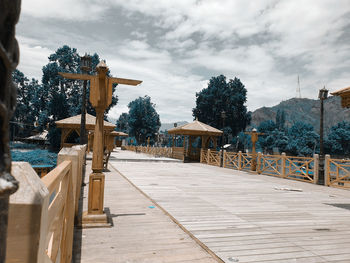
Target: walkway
{"points": [[244, 217], [141, 231]]}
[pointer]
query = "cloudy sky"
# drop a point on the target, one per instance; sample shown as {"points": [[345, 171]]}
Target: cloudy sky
{"points": [[175, 47]]}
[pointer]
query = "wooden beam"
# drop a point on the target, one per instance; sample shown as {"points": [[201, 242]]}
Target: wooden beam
{"points": [[75, 76], [126, 81]]}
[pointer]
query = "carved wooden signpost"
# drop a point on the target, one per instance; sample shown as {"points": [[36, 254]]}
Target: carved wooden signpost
{"points": [[254, 136], [100, 98]]}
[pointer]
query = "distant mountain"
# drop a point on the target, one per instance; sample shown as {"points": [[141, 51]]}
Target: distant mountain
{"points": [[306, 110], [168, 126]]}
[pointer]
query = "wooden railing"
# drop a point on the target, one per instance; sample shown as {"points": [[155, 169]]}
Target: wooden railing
{"points": [[171, 152], [41, 222], [337, 172], [291, 167]]}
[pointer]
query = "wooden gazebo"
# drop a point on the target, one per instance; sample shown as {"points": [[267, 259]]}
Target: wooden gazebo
{"points": [[71, 125], [192, 131]]}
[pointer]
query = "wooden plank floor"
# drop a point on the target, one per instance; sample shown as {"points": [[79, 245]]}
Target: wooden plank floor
{"points": [[140, 233], [244, 217]]}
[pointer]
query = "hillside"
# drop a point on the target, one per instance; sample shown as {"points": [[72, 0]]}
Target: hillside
{"points": [[307, 110]]}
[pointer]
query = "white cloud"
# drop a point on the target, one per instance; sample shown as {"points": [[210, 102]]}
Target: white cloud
{"points": [[64, 9], [176, 46], [32, 57]]}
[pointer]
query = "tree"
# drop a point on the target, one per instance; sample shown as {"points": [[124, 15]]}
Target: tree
{"points": [[280, 119], [143, 119], [23, 120], [267, 141], [64, 95], [123, 123], [338, 140], [223, 96], [302, 139]]}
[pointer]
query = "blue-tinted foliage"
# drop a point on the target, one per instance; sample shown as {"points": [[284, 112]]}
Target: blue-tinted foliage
{"points": [[338, 140], [35, 157], [299, 140], [219, 96], [143, 119]]}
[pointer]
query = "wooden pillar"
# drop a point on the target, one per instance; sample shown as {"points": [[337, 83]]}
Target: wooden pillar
{"points": [[189, 146], [316, 165], [240, 160], [283, 160], [214, 141], [259, 163], [327, 168]]}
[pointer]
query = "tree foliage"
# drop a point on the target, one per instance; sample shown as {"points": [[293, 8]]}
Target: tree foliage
{"points": [[123, 123], [338, 140], [23, 120], [299, 140], [219, 96], [55, 98], [143, 119]]}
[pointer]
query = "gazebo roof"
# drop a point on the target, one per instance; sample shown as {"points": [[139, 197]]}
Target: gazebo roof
{"points": [[118, 133], [195, 128], [341, 91], [74, 122]]}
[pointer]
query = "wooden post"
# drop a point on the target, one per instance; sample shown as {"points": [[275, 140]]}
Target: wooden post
{"points": [[73, 156], [201, 156], [27, 224], [259, 163], [190, 147], [240, 160], [208, 156], [283, 164], [224, 159], [316, 164], [101, 87], [327, 169]]}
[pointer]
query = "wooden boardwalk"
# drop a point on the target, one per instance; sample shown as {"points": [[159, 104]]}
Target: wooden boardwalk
{"points": [[141, 232], [244, 217]]}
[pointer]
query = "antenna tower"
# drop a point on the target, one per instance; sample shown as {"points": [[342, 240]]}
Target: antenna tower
{"points": [[298, 95]]}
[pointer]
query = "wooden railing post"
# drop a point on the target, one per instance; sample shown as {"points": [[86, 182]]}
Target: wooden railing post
{"points": [[316, 166], [283, 164], [208, 156], [258, 168], [240, 160], [28, 212], [72, 155], [327, 170], [224, 159]]}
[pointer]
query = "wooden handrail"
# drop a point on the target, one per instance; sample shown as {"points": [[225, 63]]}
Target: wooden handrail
{"points": [[50, 204], [53, 178]]}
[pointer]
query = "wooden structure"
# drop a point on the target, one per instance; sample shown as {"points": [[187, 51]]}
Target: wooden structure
{"points": [[254, 137], [345, 96], [192, 131], [110, 145], [42, 212], [101, 89], [71, 125]]}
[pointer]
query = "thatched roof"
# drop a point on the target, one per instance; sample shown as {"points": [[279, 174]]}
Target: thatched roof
{"points": [[341, 91], [195, 128], [74, 122]]}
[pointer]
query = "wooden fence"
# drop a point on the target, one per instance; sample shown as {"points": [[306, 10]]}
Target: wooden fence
{"points": [[41, 221], [171, 152], [291, 167], [337, 172], [305, 169]]}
